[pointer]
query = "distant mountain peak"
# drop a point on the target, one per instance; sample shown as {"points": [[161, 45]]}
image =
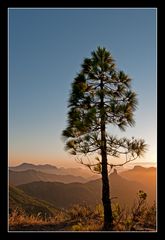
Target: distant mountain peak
{"points": [[36, 165], [141, 168], [25, 164], [28, 165], [46, 166], [138, 167]]}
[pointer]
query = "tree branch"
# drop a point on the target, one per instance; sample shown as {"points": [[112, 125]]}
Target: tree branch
{"points": [[122, 164]]}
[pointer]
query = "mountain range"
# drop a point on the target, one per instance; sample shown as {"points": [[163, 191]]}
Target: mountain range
{"points": [[27, 176], [50, 169], [64, 190], [64, 195]]}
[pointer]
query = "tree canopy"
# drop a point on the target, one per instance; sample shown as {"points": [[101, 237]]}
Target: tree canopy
{"points": [[100, 79]]}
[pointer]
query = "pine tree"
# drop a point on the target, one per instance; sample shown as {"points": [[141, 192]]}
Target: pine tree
{"points": [[101, 95]]}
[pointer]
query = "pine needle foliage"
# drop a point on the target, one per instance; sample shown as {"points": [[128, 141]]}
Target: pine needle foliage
{"points": [[101, 96]]}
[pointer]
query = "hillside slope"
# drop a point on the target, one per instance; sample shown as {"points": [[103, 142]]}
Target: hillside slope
{"points": [[21, 201]]}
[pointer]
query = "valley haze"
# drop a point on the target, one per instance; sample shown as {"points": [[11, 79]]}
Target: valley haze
{"points": [[134, 179]]}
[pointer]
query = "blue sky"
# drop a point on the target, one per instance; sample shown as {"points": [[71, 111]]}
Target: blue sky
{"points": [[46, 49]]}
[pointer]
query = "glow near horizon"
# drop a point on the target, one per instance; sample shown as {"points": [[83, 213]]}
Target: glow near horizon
{"points": [[46, 49]]}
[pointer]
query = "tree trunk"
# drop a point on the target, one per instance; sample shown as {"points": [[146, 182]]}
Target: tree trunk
{"points": [[106, 192], [105, 181]]}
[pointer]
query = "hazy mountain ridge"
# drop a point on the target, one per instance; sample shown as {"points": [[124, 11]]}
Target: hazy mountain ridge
{"points": [[39, 167], [30, 175], [47, 168], [53, 188], [64, 195]]}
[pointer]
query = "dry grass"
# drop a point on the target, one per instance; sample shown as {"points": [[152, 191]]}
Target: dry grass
{"points": [[87, 219], [77, 218], [92, 226], [83, 218], [19, 217], [18, 220]]}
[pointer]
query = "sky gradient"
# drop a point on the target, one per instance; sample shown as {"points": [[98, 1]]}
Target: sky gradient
{"points": [[46, 49]]}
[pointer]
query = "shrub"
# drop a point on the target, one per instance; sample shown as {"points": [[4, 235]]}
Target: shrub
{"points": [[141, 217]]}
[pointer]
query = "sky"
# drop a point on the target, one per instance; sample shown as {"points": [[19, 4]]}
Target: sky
{"points": [[46, 50]]}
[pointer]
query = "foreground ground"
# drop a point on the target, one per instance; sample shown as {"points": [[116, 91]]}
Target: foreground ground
{"points": [[141, 217]]}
